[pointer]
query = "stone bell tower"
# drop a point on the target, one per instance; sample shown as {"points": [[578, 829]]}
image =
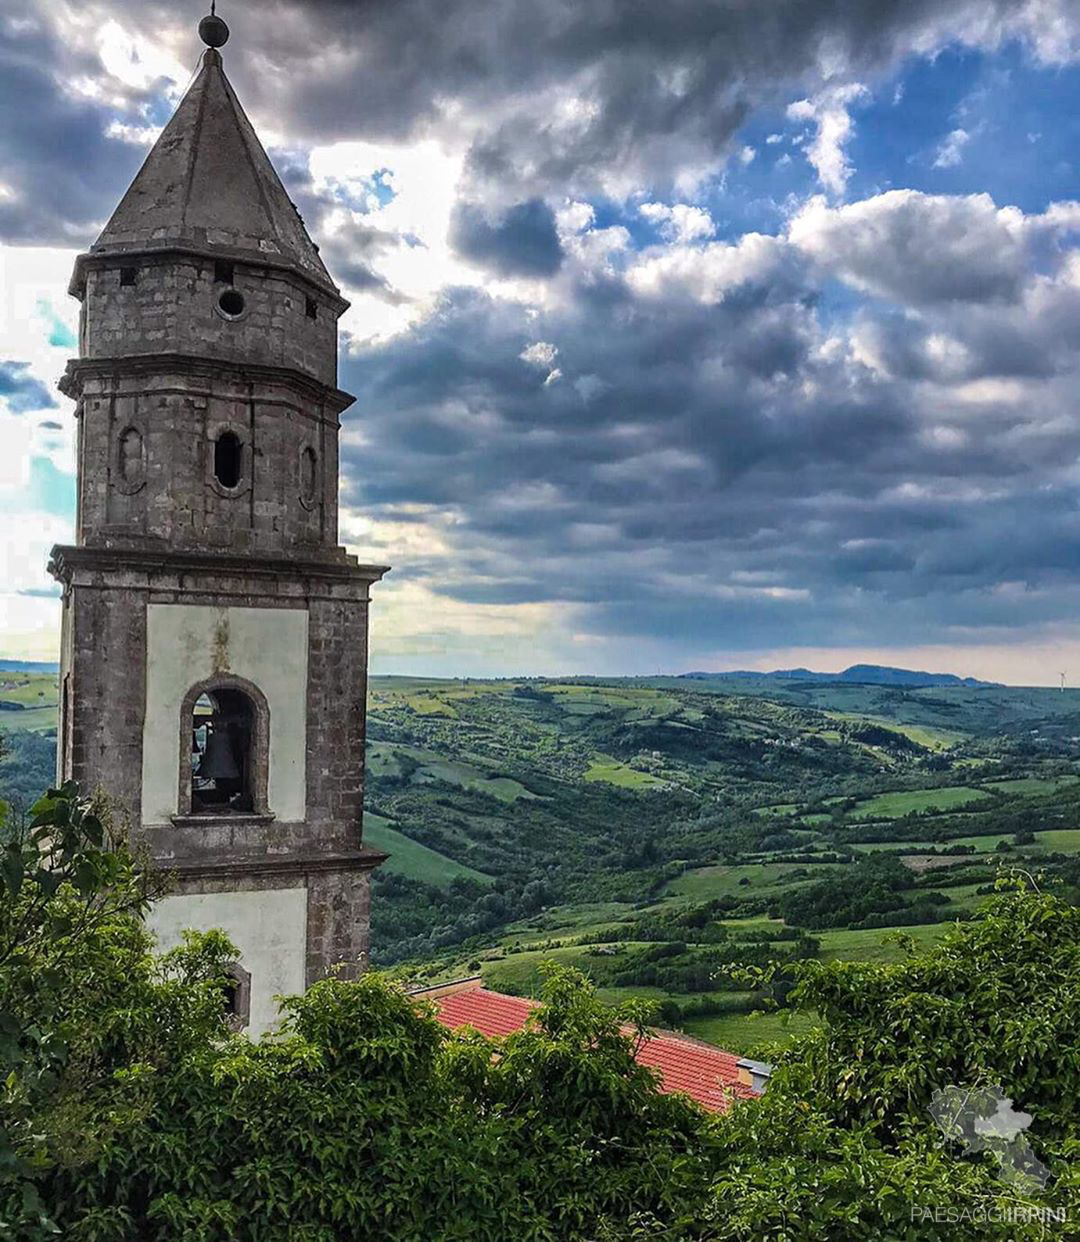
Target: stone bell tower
{"points": [[214, 646]]}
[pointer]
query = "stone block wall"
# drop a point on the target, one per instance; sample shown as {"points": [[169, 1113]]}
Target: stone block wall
{"points": [[339, 923], [173, 305], [336, 716], [106, 598], [146, 448]]}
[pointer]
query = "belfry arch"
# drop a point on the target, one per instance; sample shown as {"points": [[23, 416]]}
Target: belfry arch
{"points": [[224, 749]]}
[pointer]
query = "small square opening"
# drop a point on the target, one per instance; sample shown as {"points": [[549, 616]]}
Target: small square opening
{"points": [[312, 309], [223, 272], [128, 275]]}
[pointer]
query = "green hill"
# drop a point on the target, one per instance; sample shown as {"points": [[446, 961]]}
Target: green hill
{"points": [[664, 833]]}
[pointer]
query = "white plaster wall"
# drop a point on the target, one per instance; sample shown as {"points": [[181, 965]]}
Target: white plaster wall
{"points": [[187, 643], [269, 928]]}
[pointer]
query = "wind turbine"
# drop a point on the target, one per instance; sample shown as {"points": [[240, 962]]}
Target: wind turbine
{"points": [[1062, 683]]}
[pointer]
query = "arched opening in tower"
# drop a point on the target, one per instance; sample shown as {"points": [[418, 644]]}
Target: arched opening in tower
{"points": [[222, 762], [228, 459]]}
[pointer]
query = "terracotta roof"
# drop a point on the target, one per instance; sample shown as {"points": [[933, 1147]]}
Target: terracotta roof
{"points": [[491, 1013], [706, 1074]]}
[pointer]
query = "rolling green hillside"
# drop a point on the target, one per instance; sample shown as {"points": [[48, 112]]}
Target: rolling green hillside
{"points": [[666, 834]]}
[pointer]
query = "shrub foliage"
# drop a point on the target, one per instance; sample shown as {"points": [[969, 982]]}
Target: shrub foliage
{"points": [[130, 1112]]}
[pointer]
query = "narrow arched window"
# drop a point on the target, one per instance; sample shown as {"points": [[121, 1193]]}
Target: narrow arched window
{"points": [[228, 459], [236, 997]]}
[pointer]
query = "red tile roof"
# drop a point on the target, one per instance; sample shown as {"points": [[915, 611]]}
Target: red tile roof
{"points": [[706, 1074], [491, 1013]]}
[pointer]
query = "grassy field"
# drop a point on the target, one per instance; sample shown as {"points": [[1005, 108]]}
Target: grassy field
{"points": [[520, 973], [1063, 840], [874, 945], [410, 858], [1067, 840], [388, 759], [930, 736], [704, 883], [748, 1034], [29, 689], [34, 719], [604, 768], [902, 802], [1032, 785], [37, 695]]}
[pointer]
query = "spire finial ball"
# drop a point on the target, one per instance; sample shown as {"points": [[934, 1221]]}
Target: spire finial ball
{"points": [[213, 31]]}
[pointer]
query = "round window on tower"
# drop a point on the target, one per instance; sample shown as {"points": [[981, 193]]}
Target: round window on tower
{"points": [[231, 303]]}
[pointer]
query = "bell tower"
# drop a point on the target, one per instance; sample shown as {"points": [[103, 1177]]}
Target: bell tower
{"points": [[214, 643]]}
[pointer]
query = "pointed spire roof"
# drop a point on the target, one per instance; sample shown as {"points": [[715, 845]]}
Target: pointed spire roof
{"points": [[208, 185]]}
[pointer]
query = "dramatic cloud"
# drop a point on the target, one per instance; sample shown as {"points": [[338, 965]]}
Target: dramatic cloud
{"points": [[917, 248], [667, 340], [521, 241]]}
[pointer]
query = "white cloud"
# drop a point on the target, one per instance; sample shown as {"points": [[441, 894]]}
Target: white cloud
{"points": [[951, 150], [828, 112], [919, 248], [539, 354], [574, 217], [38, 325], [707, 273], [416, 260], [679, 222]]}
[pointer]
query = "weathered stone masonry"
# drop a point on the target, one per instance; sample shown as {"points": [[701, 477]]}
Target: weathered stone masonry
{"points": [[206, 568]]}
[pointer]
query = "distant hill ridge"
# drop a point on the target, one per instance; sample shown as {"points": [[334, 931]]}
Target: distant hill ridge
{"points": [[860, 674]]}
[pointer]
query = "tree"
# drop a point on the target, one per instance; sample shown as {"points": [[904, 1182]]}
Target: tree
{"points": [[68, 932], [130, 1111], [842, 1146]]}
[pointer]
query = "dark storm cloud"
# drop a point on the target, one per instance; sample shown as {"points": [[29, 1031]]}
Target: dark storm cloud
{"points": [[552, 97], [60, 169], [519, 241], [706, 468], [563, 94], [22, 391]]}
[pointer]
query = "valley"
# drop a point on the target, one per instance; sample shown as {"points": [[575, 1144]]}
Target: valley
{"points": [[673, 836]]}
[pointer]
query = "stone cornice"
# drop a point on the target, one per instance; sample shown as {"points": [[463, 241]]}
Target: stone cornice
{"points": [[80, 369], [64, 560], [115, 255], [287, 865]]}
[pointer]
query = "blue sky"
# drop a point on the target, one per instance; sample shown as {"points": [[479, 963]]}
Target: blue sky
{"points": [[692, 336]]}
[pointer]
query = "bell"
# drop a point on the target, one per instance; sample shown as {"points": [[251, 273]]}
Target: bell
{"points": [[218, 763]]}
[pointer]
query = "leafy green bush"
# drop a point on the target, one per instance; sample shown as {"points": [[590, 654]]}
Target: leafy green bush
{"points": [[130, 1112]]}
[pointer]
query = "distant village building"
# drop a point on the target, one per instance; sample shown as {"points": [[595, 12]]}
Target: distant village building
{"points": [[710, 1076], [214, 644]]}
